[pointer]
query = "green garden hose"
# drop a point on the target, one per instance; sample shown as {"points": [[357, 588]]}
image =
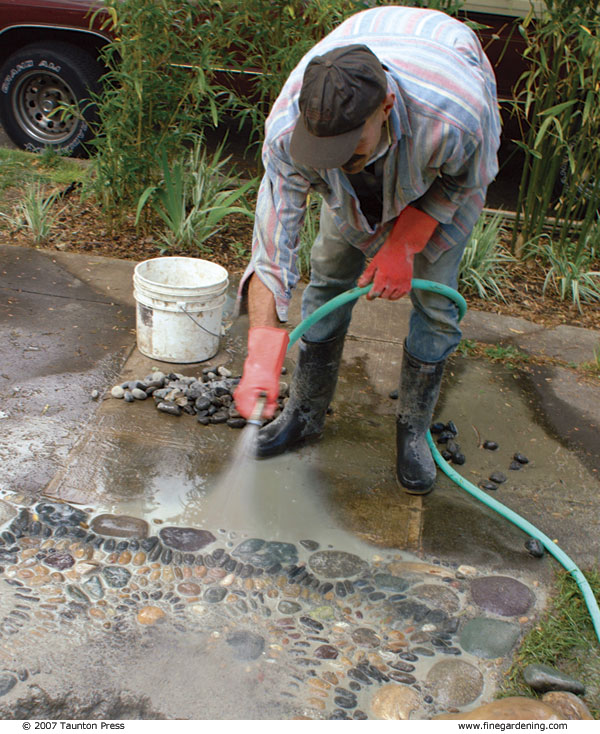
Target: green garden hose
{"points": [[527, 527]]}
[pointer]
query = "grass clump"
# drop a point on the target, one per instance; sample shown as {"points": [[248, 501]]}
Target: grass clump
{"points": [[564, 638], [483, 268]]}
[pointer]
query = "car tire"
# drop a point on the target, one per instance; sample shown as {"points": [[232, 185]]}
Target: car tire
{"points": [[34, 81]]}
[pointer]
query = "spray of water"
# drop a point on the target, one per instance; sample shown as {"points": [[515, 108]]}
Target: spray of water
{"points": [[232, 504]]}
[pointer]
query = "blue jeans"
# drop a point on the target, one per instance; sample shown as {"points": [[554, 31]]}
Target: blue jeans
{"points": [[336, 266]]}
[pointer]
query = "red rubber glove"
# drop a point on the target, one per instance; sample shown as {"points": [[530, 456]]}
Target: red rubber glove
{"points": [[392, 267], [266, 351]]}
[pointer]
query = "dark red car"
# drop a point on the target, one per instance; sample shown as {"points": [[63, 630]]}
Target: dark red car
{"points": [[49, 56]]}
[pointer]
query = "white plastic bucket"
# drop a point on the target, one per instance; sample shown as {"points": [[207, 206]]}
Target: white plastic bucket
{"points": [[179, 308]]}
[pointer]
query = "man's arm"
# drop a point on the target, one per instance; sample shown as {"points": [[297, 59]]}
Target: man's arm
{"points": [[261, 304]]}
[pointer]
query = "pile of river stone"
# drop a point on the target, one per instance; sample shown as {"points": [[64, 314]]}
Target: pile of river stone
{"points": [[208, 397]]}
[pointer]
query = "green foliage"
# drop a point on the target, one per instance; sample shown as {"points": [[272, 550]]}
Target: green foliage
{"points": [[564, 638], [156, 92], [308, 233], [282, 31], [483, 266], [35, 213], [196, 194], [570, 274], [558, 99]]}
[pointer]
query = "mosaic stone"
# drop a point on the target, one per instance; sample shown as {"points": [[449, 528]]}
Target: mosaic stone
{"points": [[60, 560], [326, 652], [289, 607], [454, 682], [391, 583], [7, 682], [333, 564], [188, 588], [437, 595], [150, 615], [246, 645], [265, 554], [120, 526], [353, 638], [489, 638], [93, 587], [501, 595], [115, 576], [60, 514], [393, 702], [365, 637], [186, 539], [215, 594]]}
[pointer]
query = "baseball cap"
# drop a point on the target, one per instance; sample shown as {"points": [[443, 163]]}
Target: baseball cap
{"points": [[340, 91]]}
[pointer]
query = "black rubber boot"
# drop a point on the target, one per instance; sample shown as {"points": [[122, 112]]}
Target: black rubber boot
{"points": [[311, 391], [419, 390]]}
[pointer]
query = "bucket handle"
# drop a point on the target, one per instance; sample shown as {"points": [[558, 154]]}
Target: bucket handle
{"points": [[181, 305]]}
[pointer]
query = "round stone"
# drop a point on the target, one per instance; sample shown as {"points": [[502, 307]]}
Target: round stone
{"points": [[454, 683], [117, 392], [568, 705], [60, 560], [266, 554], [365, 637], [502, 595], [120, 526], [437, 595], [246, 645], [391, 583], [516, 708], [394, 702], [150, 615], [489, 638], [7, 683], [188, 540], [288, 607], [188, 588], [326, 652], [116, 576], [215, 594], [60, 514], [333, 564], [93, 587]]}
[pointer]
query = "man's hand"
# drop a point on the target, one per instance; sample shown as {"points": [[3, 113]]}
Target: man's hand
{"points": [[392, 267], [266, 351]]}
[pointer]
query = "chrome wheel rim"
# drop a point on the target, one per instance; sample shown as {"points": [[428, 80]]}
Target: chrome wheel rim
{"points": [[35, 102]]}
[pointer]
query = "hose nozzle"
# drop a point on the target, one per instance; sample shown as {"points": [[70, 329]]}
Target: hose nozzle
{"points": [[256, 417]]}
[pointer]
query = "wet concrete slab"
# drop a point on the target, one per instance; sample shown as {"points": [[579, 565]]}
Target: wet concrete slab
{"points": [[61, 339], [338, 496]]}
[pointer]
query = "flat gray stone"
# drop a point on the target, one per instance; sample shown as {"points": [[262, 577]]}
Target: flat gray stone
{"points": [[120, 526], [544, 678], [189, 540], [332, 564], [60, 514], [502, 595], [7, 683], [391, 583], [246, 645], [116, 576], [489, 638], [438, 596], [454, 683]]}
